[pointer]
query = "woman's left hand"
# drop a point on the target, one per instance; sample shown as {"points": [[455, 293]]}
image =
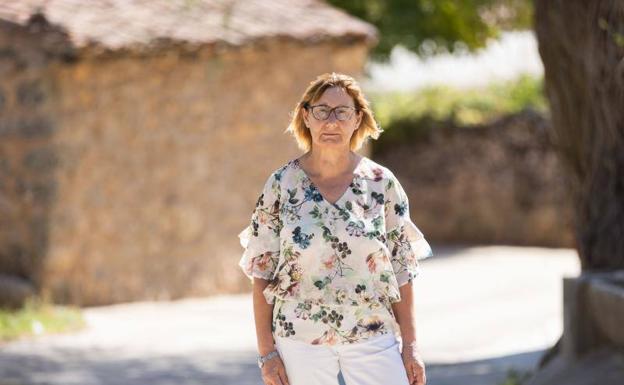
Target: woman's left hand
{"points": [[414, 365]]}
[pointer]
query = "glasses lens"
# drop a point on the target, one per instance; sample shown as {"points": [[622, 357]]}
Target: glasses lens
{"points": [[321, 112], [343, 113]]}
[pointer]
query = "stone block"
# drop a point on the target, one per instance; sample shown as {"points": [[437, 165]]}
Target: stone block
{"points": [[593, 338], [593, 312], [42, 160], [33, 127], [14, 291], [9, 60], [30, 93], [8, 127], [579, 336], [4, 166], [605, 298], [40, 191], [601, 367]]}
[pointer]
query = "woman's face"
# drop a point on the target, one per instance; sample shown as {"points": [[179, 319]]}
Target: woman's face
{"points": [[332, 132]]}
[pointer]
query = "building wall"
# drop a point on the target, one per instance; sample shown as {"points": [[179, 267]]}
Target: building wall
{"points": [[27, 159], [160, 160]]}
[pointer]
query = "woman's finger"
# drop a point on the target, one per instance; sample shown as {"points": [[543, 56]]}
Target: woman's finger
{"points": [[420, 376], [272, 376], [283, 377], [276, 380], [281, 372], [417, 369], [272, 380], [410, 372]]}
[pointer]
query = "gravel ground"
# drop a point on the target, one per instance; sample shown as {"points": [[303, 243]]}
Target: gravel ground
{"points": [[480, 311]]}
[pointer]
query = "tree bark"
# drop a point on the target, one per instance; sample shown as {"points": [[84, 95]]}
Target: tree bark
{"points": [[581, 43]]}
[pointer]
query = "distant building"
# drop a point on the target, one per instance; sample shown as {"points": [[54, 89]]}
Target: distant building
{"points": [[135, 136]]}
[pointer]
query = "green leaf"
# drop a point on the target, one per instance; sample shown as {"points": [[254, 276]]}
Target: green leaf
{"points": [[428, 27]]}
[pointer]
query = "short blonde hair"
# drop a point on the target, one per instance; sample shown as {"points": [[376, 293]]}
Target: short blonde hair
{"points": [[368, 126]]}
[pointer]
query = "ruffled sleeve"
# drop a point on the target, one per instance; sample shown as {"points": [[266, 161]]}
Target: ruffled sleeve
{"points": [[261, 239], [405, 241]]}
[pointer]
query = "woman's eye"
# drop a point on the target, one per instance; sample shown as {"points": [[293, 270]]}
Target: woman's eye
{"points": [[342, 112]]}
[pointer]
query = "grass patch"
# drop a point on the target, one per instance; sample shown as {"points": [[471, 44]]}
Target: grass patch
{"points": [[38, 317], [516, 377]]}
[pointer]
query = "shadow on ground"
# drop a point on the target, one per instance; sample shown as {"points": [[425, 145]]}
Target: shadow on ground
{"points": [[210, 368]]}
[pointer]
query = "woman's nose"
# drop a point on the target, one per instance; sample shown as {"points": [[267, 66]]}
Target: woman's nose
{"points": [[332, 117]]}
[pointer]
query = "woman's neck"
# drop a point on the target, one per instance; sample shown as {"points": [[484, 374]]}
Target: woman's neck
{"points": [[322, 163]]}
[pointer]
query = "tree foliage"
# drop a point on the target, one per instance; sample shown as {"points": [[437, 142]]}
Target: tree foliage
{"points": [[427, 27]]}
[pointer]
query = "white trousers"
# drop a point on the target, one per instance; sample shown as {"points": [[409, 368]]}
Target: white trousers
{"points": [[376, 361]]}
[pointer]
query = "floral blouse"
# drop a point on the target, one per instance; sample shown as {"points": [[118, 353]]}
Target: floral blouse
{"points": [[333, 269]]}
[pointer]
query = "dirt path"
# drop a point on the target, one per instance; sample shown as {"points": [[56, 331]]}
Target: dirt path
{"points": [[480, 311]]}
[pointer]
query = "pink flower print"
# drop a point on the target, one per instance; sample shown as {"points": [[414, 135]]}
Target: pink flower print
{"points": [[371, 260], [293, 289], [264, 260], [329, 263], [378, 174], [328, 337]]}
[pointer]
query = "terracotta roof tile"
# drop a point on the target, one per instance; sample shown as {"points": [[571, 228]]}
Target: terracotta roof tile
{"points": [[115, 24]]}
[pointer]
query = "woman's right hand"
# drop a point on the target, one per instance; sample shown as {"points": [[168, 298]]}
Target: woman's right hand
{"points": [[274, 372]]}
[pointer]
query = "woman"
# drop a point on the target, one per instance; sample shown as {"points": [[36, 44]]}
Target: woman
{"points": [[332, 252]]}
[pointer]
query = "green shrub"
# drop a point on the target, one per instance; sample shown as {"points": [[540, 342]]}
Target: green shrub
{"points": [[405, 116]]}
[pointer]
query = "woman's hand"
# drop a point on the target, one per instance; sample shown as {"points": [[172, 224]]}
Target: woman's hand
{"points": [[274, 372], [414, 365]]}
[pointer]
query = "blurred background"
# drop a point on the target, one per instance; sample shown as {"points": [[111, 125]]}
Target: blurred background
{"points": [[135, 137]]}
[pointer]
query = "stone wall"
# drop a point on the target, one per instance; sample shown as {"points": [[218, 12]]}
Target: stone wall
{"points": [[496, 183], [141, 169], [27, 157], [591, 350]]}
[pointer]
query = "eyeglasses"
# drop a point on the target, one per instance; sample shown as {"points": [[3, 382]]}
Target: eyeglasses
{"points": [[322, 112]]}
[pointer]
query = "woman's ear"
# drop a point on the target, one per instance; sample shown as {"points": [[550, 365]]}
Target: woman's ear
{"points": [[360, 114]]}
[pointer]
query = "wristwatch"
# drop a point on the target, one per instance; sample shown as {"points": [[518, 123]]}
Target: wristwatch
{"points": [[263, 359]]}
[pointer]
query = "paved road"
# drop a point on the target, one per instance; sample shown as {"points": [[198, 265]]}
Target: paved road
{"points": [[480, 312]]}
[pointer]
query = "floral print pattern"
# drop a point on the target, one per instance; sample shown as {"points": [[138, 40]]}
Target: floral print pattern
{"points": [[334, 269]]}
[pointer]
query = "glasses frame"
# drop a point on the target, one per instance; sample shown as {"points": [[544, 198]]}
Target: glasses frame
{"points": [[332, 110]]}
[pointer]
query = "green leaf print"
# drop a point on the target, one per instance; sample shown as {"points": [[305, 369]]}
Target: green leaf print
{"points": [[322, 283], [316, 213]]}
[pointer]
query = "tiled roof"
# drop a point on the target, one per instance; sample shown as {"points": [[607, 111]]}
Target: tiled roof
{"points": [[115, 24]]}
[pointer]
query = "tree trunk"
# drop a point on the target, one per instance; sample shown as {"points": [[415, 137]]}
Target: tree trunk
{"points": [[581, 43]]}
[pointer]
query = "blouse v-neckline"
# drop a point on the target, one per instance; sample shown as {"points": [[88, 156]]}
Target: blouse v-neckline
{"points": [[356, 175]]}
